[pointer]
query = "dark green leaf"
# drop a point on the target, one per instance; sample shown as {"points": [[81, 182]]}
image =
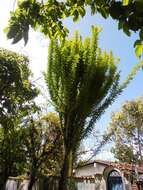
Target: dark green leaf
{"points": [[17, 37], [141, 34], [25, 36]]}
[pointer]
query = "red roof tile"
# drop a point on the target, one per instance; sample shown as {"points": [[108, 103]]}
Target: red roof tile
{"points": [[122, 166]]}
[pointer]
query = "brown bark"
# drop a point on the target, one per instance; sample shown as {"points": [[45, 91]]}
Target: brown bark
{"points": [[139, 146], [4, 178], [32, 181], [2, 185], [66, 172]]}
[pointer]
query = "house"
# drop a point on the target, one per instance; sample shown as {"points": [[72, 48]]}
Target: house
{"points": [[96, 175], [105, 175]]}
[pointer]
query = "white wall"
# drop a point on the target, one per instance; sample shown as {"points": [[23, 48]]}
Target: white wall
{"points": [[90, 170]]}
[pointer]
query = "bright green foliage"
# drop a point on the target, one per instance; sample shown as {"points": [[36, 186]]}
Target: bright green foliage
{"points": [[83, 81], [47, 16], [35, 14], [127, 126], [138, 48], [125, 2]]}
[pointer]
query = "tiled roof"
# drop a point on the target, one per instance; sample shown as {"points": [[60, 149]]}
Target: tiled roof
{"points": [[121, 166]]}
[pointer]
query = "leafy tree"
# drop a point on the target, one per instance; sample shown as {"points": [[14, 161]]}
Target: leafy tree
{"points": [[127, 126], [83, 82], [16, 98], [42, 143], [16, 90], [48, 15]]}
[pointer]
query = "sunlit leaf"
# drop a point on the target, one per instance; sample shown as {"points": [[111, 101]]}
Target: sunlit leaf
{"points": [[125, 2], [139, 50]]}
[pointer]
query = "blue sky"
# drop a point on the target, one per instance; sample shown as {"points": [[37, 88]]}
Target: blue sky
{"points": [[110, 39]]}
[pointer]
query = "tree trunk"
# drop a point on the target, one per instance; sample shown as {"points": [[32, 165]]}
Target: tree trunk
{"points": [[66, 171], [139, 146], [4, 178], [3, 185], [32, 180]]}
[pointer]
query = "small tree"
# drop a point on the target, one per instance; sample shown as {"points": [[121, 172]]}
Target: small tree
{"points": [[82, 82], [127, 126], [42, 144]]}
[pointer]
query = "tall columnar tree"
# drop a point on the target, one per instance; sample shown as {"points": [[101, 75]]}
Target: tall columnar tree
{"points": [[16, 98], [127, 125], [83, 81]]}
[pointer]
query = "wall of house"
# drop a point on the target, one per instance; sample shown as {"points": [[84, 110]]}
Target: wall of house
{"points": [[46, 184], [97, 185], [90, 170]]}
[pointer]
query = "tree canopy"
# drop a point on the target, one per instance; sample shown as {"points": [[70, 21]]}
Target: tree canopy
{"points": [[49, 14], [127, 127], [16, 89]]}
